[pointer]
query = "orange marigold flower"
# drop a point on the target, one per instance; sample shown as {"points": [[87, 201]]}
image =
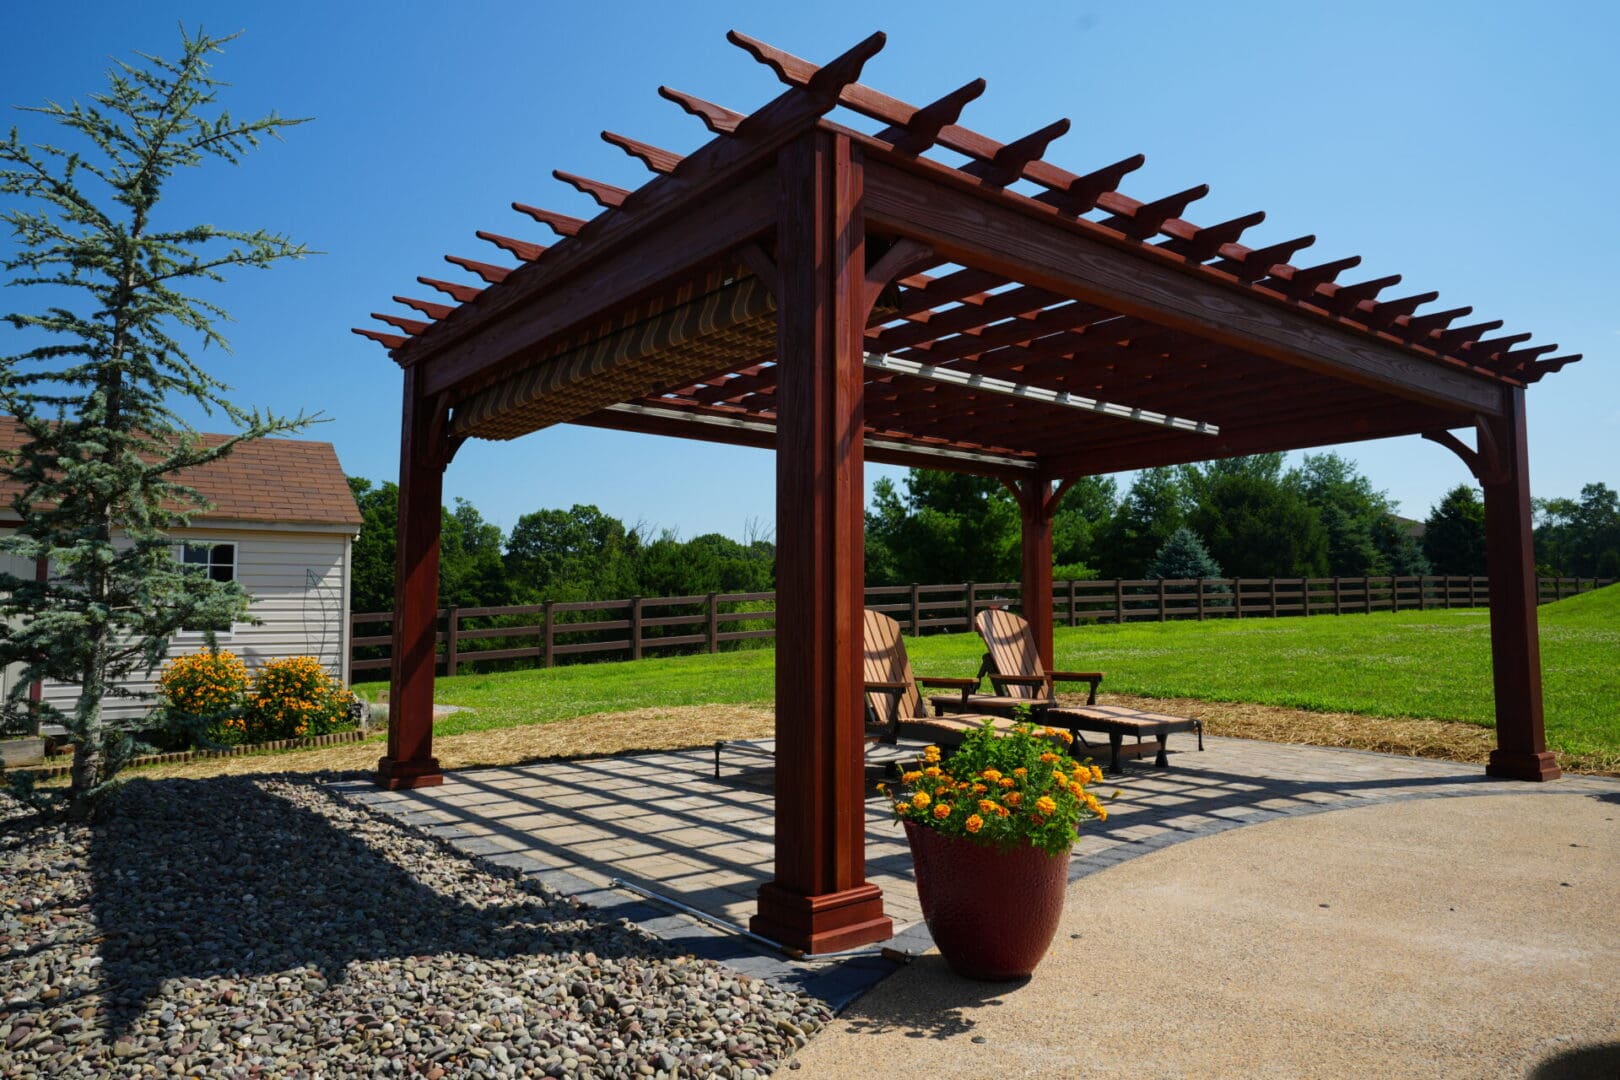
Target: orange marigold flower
{"points": [[1020, 772], [942, 811], [1059, 777], [991, 775], [921, 800], [1102, 813], [902, 808], [1096, 773], [987, 806], [974, 823], [1066, 737], [1048, 757], [1045, 805], [932, 770], [910, 776], [1077, 790], [1014, 798], [1007, 782], [979, 789]]}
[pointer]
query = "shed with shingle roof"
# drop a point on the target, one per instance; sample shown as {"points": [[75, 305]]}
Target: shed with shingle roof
{"points": [[281, 521]]}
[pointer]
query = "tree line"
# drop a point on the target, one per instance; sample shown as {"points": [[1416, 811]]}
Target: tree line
{"points": [[1240, 517]]}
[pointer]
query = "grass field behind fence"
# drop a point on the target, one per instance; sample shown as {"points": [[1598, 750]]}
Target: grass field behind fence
{"points": [[1432, 664]]}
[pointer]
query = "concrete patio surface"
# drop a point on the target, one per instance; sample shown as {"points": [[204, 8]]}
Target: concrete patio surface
{"points": [[1443, 938], [663, 821]]}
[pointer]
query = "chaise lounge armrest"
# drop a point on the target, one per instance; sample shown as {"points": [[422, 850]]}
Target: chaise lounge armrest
{"points": [[887, 687], [1092, 677], [967, 686], [1045, 681]]}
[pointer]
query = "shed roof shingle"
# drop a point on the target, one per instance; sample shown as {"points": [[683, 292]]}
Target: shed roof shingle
{"points": [[286, 481]]}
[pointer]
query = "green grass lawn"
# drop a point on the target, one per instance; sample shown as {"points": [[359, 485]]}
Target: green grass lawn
{"points": [[1433, 664]]}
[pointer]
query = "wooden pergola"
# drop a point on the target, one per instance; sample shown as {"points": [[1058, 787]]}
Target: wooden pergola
{"points": [[837, 292]]}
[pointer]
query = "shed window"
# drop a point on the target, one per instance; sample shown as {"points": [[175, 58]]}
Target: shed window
{"points": [[218, 561]]}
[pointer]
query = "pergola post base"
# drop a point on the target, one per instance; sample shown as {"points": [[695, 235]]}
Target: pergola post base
{"points": [[1520, 765], [826, 923], [404, 775]]}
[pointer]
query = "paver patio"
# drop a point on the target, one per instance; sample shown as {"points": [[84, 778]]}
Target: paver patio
{"points": [[664, 822]]}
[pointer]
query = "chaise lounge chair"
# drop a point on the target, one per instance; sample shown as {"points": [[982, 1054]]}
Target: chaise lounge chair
{"points": [[1013, 663], [894, 704]]}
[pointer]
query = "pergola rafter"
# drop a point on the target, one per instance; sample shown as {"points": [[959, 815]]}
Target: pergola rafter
{"points": [[813, 279]]}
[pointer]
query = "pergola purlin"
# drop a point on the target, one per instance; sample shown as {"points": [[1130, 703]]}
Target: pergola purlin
{"points": [[840, 296]]}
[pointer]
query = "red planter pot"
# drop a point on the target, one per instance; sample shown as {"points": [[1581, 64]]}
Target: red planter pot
{"points": [[992, 913]]}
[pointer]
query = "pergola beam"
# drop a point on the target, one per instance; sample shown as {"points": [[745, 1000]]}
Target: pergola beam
{"points": [[714, 225], [743, 431], [989, 384], [968, 227]]}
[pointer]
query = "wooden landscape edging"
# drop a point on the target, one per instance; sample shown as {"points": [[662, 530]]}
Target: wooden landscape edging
{"points": [[543, 633], [179, 756]]}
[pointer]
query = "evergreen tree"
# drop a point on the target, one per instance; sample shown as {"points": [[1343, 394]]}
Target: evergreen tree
{"points": [[1257, 526], [96, 388], [1148, 515], [1184, 556], [1079, 520], [946, 527], [1454, 537]]}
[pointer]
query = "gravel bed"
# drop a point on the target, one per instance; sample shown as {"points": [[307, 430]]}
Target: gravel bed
{"points": [[237, 927]]}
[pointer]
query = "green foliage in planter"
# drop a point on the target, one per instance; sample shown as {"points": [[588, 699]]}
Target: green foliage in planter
{"points": [[1003, 790]]}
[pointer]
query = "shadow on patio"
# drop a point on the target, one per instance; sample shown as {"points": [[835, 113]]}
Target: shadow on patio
{"points": [[665, 823]]}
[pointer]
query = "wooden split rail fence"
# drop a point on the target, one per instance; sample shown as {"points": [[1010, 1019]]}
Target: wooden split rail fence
{"points": [[543, 635]]}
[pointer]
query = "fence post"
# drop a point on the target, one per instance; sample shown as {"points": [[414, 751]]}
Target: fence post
{"points": [[1119, 601], [1338, 595], [1074, 620], [1272, 585], [547, 658], [635, 628], [714, 622], [972, 602], [1162, 615], [1422, 597], [916, 611], [1237, 598], [452, 627], [1558, 588], [1366, 594], [1200, 599]]}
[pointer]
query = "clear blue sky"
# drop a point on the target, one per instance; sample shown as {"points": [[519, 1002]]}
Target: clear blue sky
{"points": [[1471, 147]]}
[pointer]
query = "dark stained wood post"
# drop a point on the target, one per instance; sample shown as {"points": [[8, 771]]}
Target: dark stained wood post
{"points": [[1035, 504], [424, 453], [1521, 743], [820, 900]]}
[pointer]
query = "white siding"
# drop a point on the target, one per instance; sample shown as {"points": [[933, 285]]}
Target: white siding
{"points": [[11, 564], [299, 585]]}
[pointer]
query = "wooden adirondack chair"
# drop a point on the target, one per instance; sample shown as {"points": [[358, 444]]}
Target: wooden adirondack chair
{"points": [[1013, 664], [894, 705]]}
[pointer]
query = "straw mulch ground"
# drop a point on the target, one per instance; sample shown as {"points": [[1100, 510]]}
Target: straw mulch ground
{"points": [[678, 727], [600, 735]]}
